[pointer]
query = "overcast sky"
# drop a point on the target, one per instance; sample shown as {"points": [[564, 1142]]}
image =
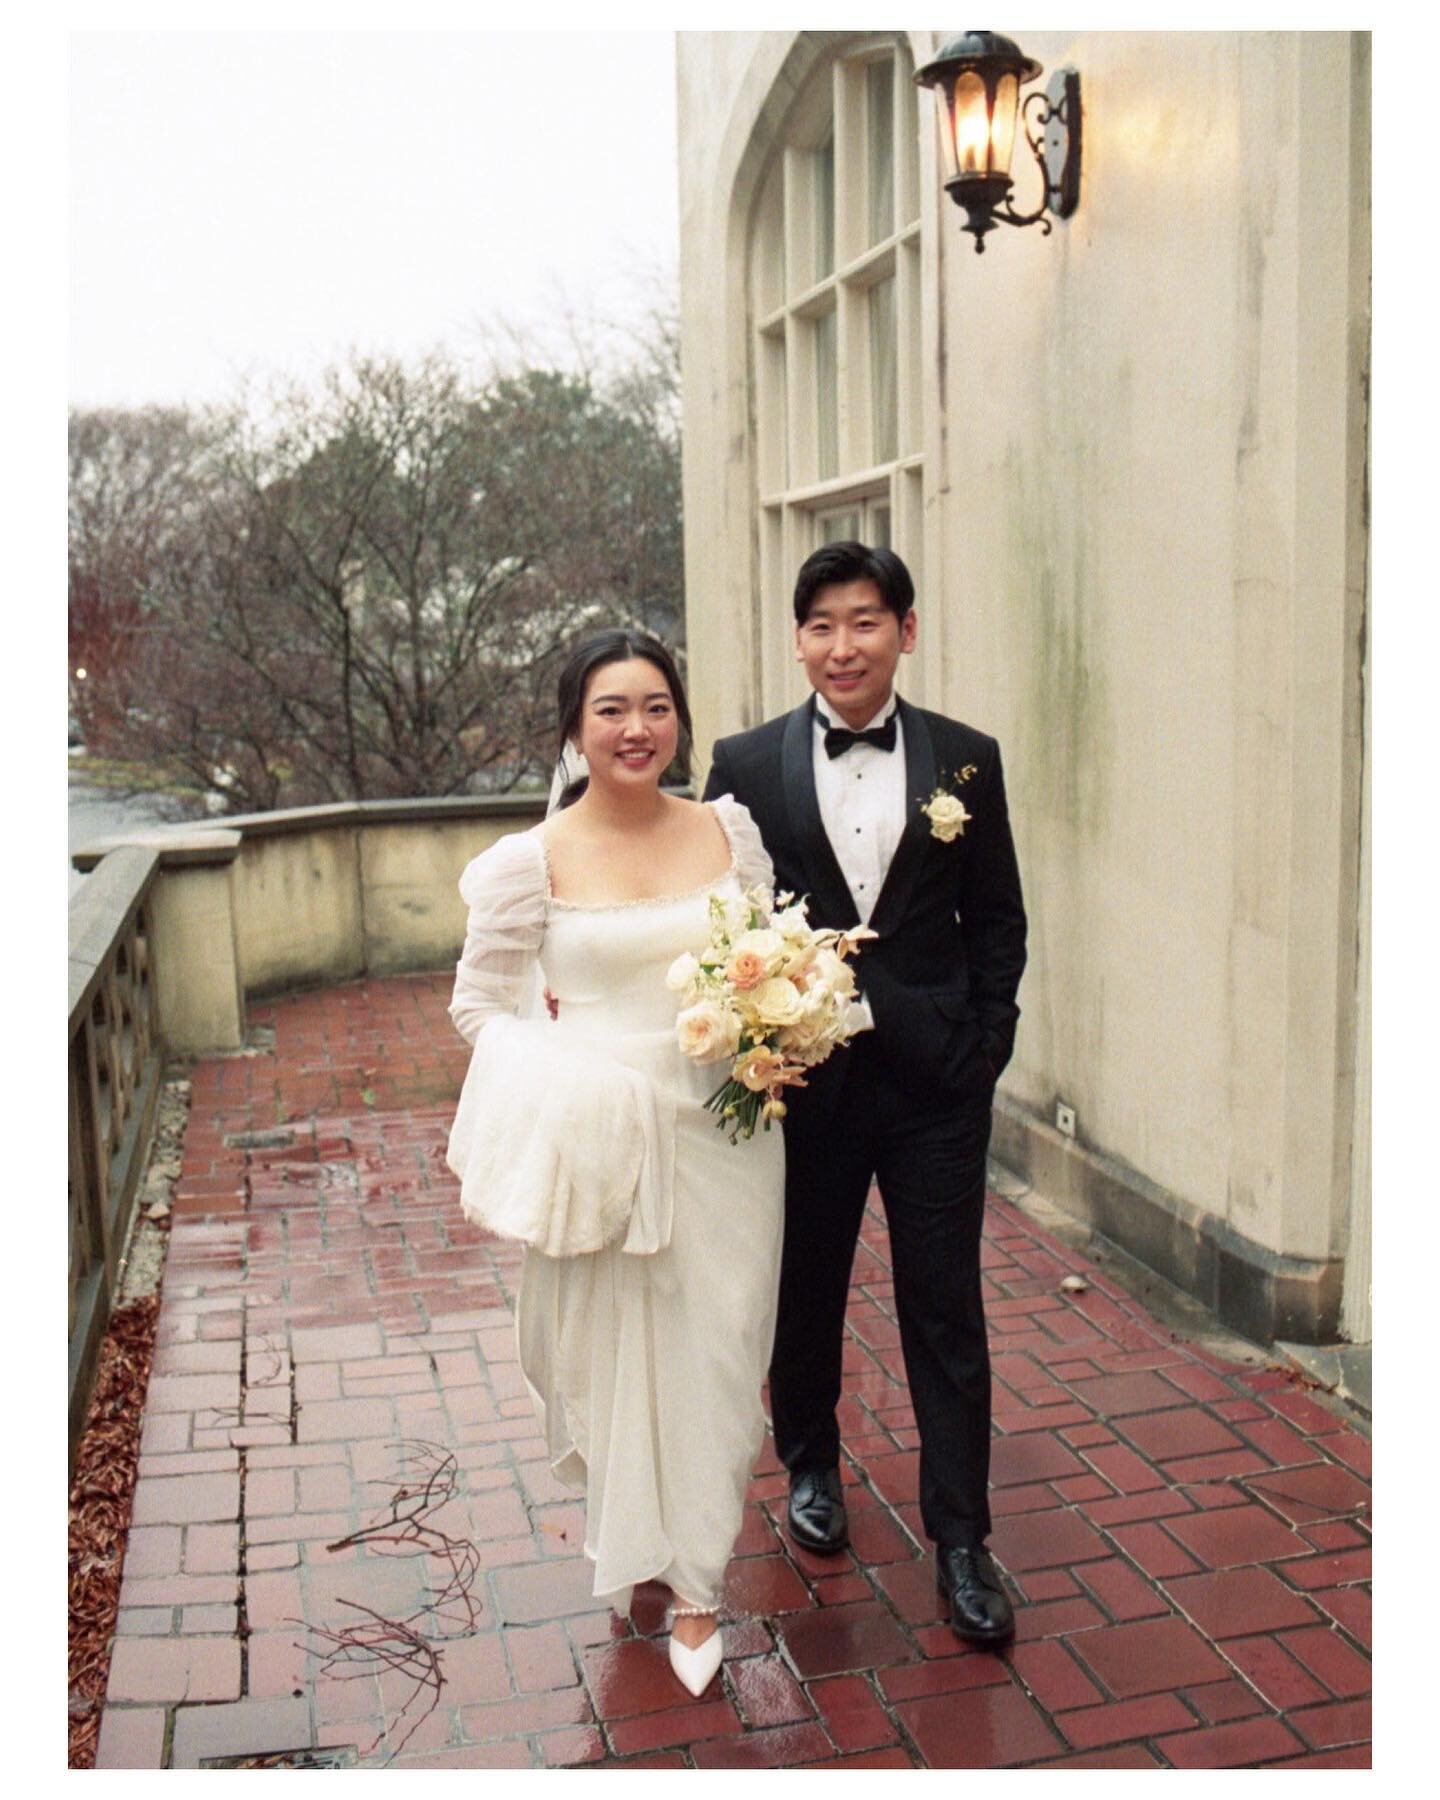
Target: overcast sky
{"points": [[261, 202]]}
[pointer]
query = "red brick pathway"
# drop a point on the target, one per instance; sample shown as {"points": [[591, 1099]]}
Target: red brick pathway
{"points": [[1188, 1541]]}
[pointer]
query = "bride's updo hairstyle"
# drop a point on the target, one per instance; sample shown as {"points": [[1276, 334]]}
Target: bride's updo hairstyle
{"points": [[598, 652]]}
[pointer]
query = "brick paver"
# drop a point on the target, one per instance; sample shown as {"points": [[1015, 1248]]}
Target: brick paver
{"points": [[1187, 1540]]}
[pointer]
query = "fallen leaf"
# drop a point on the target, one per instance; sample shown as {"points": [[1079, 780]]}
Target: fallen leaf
{"points": [[1074, 1284]]}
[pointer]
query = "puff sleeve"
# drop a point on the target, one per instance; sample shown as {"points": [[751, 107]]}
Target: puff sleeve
{"points": [[557, 1143], [504, 888], [752, 859]]}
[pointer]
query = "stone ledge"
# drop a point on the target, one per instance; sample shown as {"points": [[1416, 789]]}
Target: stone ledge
{"points": [[1253, 1291], [177, 846]]}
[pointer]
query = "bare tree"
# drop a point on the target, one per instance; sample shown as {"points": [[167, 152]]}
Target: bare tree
{"points": [[377, 580], [133, 483]]}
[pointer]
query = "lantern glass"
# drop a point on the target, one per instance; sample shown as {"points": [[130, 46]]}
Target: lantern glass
{"points": [[945, 130], [972, 124], [1002, 123]]}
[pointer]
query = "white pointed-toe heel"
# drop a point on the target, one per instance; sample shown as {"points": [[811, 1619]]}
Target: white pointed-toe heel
{"points": [[696, 1668]]}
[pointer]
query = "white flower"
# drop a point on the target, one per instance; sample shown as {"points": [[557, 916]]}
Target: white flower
{"points": [[791, 923], [734, 911], [834, 974], [708, 1031], [947, 815], [681, 973], [812, 1027]]}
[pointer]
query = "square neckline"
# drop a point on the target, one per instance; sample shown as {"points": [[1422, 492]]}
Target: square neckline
{"points": [[553, 902]]}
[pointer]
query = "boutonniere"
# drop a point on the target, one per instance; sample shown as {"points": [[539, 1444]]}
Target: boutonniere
{"points": [[946, 811]]}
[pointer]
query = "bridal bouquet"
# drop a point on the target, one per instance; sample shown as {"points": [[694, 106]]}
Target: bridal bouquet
{"points": [[768, 993]]}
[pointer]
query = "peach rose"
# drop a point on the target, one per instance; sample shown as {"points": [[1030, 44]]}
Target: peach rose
{"points": [[745, 970]]}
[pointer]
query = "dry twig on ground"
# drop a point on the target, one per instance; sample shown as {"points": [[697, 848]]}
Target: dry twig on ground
{"points": [[429, 1480]]}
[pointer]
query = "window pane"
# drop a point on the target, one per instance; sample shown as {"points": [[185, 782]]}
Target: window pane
{"points": [[827, 418], [839, 528], [880, 527], [884, 413], [880, 149], [771, 418], [825, 211]]}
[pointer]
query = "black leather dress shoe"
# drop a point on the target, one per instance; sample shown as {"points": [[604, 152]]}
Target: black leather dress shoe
{"points": [[980, 1610], [816, 1515]]}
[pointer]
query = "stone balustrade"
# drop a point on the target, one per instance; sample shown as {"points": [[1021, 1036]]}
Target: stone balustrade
{"points": [[114, 1081], [177, 926]]}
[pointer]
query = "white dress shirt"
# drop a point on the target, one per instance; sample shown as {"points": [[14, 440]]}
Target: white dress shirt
{"points": [[861, 794]]}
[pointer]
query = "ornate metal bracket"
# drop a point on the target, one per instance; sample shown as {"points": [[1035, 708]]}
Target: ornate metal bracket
{"points": [[1052, 129]]}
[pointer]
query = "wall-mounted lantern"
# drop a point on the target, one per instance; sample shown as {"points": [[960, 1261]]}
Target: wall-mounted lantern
{"points": [[977, 80]]}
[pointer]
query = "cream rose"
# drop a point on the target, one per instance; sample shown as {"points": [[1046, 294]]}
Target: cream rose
{"points": [[776, 1002], [707, 1031], [948, 817]]}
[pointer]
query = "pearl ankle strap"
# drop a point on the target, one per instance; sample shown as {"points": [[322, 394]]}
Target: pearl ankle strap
{"points": [[692, 1612]]}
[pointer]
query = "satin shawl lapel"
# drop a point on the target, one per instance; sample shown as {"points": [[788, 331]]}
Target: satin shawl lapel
{"points": [[832, 902], [915, 840]]}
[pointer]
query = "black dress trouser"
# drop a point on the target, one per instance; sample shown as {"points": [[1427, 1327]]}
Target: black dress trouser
{"points": [[926, 1146]]}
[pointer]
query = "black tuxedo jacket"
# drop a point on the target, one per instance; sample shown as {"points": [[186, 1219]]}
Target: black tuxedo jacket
{"points": [[942, 974]]}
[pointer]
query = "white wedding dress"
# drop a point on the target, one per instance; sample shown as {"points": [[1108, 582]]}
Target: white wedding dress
{"points": [[644, 1358]]}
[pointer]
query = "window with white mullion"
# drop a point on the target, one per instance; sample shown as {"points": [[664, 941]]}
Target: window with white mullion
{"points": [[799, 458], [823, 338], [907, 146], [881, 362], [854, 377], [799, 216], [767, 248], [771, 421], [823, 176], [880, 148], [835, 321], [848, 89], [907, 348]]}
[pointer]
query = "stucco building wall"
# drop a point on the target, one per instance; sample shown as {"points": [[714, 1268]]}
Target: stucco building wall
{"points": [[1144, 570]]}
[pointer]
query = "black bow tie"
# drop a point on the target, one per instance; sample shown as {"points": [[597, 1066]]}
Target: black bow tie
{"points": [[838, 740]]}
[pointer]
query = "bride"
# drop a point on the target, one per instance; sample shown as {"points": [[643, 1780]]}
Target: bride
{"points": [[644, 1357]]}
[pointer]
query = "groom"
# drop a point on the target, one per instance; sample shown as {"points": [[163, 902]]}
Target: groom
{"points": [[839, 789]]}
